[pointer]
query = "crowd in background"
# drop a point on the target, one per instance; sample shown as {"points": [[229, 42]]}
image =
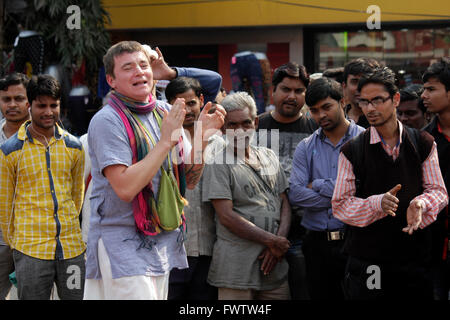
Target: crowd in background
{"points": [[341, 183]]}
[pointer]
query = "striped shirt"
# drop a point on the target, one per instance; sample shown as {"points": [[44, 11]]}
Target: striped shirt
{"points": [[362, 212], [41, 192]]}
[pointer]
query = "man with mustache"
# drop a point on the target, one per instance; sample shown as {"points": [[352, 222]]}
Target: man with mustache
{"points": [[389, 189], [14, 106], [311, 185], [41, 178], [289, 86], [247, 188], [191, 284], [436, 98]]}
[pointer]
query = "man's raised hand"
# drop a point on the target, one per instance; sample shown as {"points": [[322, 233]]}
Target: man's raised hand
{"points": [[211, 122], [172, 123], [160, 69]]}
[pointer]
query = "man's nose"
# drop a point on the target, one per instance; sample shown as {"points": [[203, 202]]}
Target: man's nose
{"points": [[12, 103], [322, 114], [370, 107], [48, 111], [139, 70], [291, 95], [424, 94]]}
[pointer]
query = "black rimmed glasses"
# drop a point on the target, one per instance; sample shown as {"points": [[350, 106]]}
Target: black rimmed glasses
{"points": [[377, 101]]}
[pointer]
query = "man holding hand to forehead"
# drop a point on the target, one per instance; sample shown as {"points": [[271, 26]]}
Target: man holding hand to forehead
{"points": [[389, 189], [129, 254]]}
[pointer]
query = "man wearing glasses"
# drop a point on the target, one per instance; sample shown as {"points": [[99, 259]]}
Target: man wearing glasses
{"points": [[389, 189]]}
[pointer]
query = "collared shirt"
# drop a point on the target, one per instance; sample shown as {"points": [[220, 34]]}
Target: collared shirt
{"points": [[3, 136], [41, 192], [316, 161], [362, 212]]}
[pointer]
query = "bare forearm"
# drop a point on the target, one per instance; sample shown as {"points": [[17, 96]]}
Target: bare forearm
{"points": [[127, 182], [285, 217], [194, 169], [246, 229], [193, 175]]}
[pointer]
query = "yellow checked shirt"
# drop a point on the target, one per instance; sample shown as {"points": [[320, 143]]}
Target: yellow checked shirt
{"points": [[41, 193]]}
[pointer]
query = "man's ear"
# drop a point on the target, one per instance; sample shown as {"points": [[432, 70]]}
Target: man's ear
{"points": [[111, 81], [256, 123], [342, 103], [202, 99], [396, 99]]}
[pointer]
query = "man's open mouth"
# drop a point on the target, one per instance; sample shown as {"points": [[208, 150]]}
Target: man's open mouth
{"points": [[139, 83]]}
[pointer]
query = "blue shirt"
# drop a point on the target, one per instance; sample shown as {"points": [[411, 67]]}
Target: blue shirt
{"points": [[316, 160]]}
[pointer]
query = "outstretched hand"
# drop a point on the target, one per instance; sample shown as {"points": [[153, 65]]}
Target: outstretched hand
{"points": [[414, 216]]}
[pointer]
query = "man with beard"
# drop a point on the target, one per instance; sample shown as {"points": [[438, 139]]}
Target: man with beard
{"points": [[247, 188], [389, 189], [14, 106], [191, 283], [353, 71], [41, 179], [311, 185], [289, 86]]}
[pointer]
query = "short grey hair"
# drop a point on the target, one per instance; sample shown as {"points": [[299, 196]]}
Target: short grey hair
{"points": [[239, 101]]}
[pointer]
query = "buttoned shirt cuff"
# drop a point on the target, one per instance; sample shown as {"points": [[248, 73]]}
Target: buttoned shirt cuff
{"points": [[375, 203]]}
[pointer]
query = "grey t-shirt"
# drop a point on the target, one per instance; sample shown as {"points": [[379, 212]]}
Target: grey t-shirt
{"points": [[112, 219], [235, 262]]}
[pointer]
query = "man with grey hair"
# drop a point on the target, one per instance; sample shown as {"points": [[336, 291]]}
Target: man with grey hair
{"points": [[247, 188]]}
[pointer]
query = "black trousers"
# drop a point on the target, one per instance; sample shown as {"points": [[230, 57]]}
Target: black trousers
{"points": [[191, 283], [325, 266], [365, 280]]}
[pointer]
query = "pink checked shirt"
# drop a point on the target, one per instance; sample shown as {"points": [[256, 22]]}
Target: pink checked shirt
{"points": [[362, 212]]}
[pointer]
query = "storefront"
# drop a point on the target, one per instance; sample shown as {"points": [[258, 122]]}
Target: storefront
{"points": [[319, 34], [408, 48]]}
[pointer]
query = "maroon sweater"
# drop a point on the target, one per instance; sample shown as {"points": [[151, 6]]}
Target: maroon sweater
{"points": [[376, 173]]}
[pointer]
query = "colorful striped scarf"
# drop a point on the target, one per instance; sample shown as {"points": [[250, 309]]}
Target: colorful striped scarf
{"points": [[145, 204]]}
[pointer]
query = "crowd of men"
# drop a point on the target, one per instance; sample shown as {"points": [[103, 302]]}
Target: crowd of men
{"points": [[340, 192]]}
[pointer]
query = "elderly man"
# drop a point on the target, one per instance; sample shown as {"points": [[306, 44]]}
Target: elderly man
{"points": [[247, 188]]}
